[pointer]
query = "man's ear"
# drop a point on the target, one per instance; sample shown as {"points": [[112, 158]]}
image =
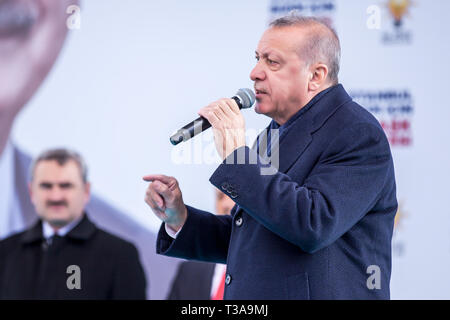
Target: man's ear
{"points": [[318, 76], [30, 191]]}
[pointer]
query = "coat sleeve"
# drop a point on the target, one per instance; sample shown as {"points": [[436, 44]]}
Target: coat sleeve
{"points": [[344, 184], [204, 237]]}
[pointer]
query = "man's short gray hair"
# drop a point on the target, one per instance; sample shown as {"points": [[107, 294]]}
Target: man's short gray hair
{"points": [[322, 44], [62, 156]]}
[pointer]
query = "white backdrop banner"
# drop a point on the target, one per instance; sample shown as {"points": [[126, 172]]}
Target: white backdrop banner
{"points": [[131, 73]]}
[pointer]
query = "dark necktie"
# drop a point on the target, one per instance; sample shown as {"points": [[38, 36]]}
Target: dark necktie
{"points": [[52, 242]]}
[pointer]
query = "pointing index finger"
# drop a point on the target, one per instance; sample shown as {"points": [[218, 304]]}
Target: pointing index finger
{"points": [[160, 177]]}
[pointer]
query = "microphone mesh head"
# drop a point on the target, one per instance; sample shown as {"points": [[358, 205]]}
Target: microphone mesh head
{"points": [[247, 97]]}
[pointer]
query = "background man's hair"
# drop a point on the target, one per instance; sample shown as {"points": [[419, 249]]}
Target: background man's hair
{"points": [[322, 44], [62, 156]]}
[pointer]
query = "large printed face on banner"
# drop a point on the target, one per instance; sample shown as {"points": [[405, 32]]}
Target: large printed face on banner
{"points": [[32, 33], [280, 75]]}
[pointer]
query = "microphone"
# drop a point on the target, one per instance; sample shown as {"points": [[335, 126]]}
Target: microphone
{"points": [[244, 98]]}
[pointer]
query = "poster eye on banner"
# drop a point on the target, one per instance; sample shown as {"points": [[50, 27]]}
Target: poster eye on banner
{"points": [[116, 79]]}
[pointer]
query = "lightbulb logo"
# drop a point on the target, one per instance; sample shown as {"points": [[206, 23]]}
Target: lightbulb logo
{"points": [[399, 216], [398, 9], [398, 238]]}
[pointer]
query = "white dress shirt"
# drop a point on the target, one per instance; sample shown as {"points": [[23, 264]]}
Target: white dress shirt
{"points": [[217, 277], [171, 233], [11, 220]]}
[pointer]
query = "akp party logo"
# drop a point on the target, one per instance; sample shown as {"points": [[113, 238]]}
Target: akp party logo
{"points": [[393, 18], [398, 32]]}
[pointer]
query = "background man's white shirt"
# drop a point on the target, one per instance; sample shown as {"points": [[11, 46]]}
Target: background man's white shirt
{"points": [[219, 271]]}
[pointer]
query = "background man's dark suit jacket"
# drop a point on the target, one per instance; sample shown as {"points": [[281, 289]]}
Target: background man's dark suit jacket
{"points": [[109, 266], [159, 270], [193, 281], [311, 230]]}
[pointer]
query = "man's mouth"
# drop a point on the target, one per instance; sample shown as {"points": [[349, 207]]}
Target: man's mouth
{"points": [[259, 92], [17, 17], [57, 205]]}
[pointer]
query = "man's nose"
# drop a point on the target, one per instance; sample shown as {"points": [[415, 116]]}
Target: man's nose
{"points": [[257, 73], [56, 194]]}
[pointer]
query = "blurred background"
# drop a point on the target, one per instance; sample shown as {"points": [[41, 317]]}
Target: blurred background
{"points": [[132, 72]]}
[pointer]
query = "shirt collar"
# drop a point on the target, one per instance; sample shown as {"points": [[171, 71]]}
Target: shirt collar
{"points": [[48, 231], [81, 229]]}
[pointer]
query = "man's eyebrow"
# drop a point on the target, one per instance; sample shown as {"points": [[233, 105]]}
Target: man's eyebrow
{"points": [[65, 184], [261, 55], [45, 184], [267, 54]]}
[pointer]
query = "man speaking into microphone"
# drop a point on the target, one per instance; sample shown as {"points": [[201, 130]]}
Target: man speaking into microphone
{"points": [[320, 226]]}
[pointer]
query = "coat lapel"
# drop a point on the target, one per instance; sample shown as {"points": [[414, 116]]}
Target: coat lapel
{"points": [[33, 234], [293, 144], [83, 230], [296, 140]]}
